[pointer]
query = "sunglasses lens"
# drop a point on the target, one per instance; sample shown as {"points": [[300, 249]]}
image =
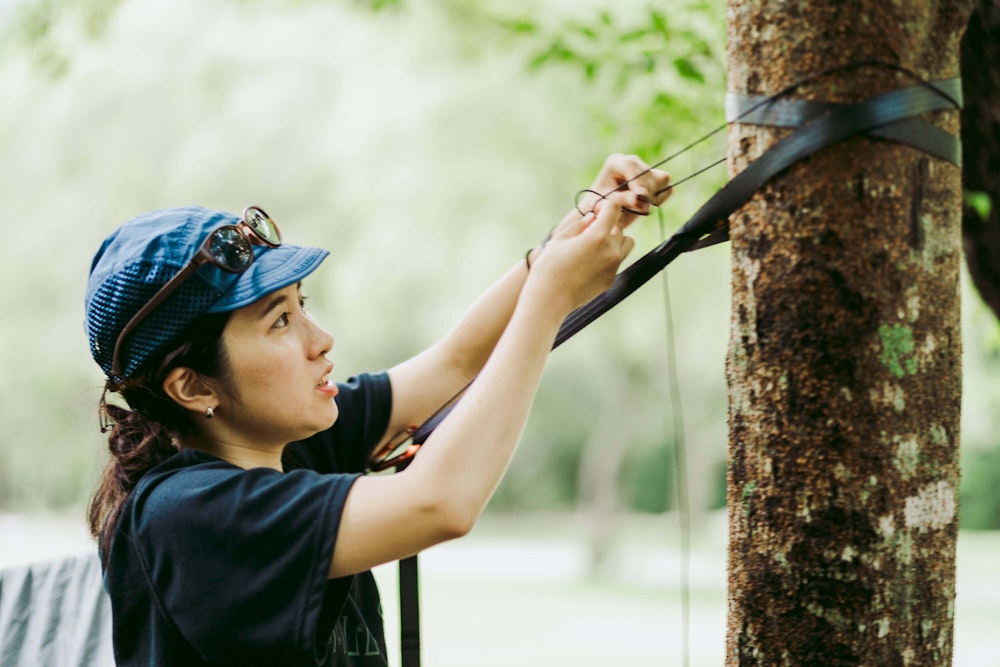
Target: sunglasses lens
{"points": [[230, 249], [262, 225]]}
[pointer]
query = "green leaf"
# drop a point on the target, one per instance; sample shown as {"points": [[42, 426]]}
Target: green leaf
{"points": [[980, 201], [664, 100], [557, 51], [633, 35], [521, 26], [687, 70], [379, 5], [538, 60], [659, 22]]}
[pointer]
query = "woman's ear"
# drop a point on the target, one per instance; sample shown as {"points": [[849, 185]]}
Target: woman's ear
{"points": [[190, 390]]}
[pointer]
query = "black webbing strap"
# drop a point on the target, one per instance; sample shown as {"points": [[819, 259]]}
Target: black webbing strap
{"points": [[889, 115], [836, 124], [760, 110], [409, 612]]}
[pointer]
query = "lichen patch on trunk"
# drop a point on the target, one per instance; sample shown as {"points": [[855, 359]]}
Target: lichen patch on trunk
{"points": [[933, 508], [897, 349]]}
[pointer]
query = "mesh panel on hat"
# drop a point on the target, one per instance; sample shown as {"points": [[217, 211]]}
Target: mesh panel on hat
{"points": [[123, 294]]}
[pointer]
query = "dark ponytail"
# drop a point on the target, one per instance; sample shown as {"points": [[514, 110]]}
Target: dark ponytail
{"points": [[145, 433]]}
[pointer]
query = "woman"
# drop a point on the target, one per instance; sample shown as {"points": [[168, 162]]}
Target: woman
{"points": [[234, 522]]}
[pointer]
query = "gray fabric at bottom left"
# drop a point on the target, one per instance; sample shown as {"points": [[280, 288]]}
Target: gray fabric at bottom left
{"points": [[55, 614]]}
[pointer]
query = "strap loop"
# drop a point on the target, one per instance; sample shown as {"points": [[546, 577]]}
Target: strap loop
{"points": [[760, 110], [837, 124]]}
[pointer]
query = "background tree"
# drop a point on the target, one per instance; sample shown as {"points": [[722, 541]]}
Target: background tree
{"points": [[981, 150], [845, 357]]}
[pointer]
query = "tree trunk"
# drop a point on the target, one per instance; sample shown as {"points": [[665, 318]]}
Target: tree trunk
{"points": [[844, 363]]}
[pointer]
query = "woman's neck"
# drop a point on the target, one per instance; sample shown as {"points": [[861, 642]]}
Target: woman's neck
{"points": [[240, 455]]}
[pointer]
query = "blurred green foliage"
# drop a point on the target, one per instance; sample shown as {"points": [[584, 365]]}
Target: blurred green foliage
{"points": [[980, 201], [980, 501], [427, 144]]}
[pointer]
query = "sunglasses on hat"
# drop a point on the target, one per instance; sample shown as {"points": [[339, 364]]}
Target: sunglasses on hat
{"points": [[229, 248]]}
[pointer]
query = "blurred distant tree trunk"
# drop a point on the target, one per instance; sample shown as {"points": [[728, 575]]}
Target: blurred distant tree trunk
{"points": [[844, 363], [981, 148], [600, 468]]}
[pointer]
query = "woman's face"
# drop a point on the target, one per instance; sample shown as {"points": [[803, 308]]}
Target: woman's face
{"points": [[278, 387]]}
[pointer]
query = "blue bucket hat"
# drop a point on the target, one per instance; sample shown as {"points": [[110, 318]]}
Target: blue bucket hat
{"points": [[142, 255]]}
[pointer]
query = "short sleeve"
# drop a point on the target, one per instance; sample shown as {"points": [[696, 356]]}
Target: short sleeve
{"points": [[365, 405], [239, 559]]}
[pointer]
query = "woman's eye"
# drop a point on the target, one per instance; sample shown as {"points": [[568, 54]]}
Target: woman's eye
{"points": [[282, 321], [302, 301]]}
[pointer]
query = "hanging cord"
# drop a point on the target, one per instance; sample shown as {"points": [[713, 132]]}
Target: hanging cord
{"points": [[764, 102], [395, 453], [707, 226], [710, 221], [680, 462]]}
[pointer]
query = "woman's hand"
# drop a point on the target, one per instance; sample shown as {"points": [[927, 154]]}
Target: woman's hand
{"points": [[629, 188], [583, 256], [640, 186], [628, 174]]}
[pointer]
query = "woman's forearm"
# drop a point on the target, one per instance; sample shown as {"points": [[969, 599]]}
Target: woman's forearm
{"points": [[425, 382], [492, 413], [444, 489]]}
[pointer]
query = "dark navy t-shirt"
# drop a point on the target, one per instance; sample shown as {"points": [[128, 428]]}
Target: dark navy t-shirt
{"points": [[212, 564]]}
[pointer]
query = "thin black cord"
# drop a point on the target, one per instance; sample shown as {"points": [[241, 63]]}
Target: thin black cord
{"points": [[431, 423], [436, 418], [696, 173], [680, 465], [768, 100]]}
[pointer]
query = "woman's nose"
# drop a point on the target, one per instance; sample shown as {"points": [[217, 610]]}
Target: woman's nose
{"points": [[322, 340]]}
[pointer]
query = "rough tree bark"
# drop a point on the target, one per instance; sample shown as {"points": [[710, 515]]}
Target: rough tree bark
{"points": [[844, 362]]}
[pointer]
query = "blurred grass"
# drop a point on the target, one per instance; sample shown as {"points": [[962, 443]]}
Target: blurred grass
{"points": [[515, 591]]}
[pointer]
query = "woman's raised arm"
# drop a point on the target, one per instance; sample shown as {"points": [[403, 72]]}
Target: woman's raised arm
{"points": [[425, 382], [443, 491]]}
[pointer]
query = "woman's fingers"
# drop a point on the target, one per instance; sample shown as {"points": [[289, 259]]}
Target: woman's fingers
{"points": [[611, 222], [630, 174], [664, 188], [610, 212], [627, 244], [585, 252]]}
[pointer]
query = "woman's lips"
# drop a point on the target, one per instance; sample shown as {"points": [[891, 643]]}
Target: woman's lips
{"points": [[328, 387]]}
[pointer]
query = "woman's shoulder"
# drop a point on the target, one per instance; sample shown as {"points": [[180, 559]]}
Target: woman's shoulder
{"points": [[194, 487], [176, 486], [185, 468]]}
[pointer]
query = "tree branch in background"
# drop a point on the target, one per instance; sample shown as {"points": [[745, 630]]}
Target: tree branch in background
{"points": [[981, 150]]}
